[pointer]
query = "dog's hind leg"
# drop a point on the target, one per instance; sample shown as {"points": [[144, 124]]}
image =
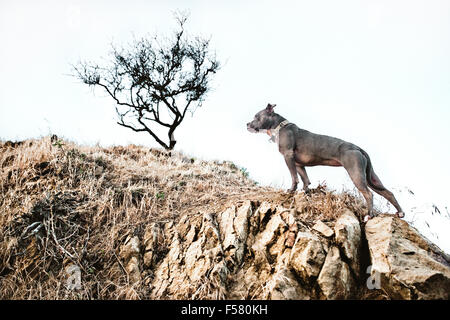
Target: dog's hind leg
{"points": [[355, 164], [376, 185]]}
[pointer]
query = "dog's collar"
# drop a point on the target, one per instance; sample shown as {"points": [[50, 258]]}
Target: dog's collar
{"points": [[275, 132]]}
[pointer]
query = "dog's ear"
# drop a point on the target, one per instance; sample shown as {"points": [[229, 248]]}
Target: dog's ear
{"points": [[270, 107]]}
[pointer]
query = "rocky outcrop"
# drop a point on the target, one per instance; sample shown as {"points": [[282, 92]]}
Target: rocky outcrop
{"points": [[404, 263], [128, 222], [263, 251]]}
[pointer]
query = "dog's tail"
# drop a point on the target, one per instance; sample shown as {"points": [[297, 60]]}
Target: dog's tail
{"points": [[372, 180]]}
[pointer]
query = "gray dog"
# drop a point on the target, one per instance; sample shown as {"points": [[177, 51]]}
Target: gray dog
{"points": [[302, 148]]}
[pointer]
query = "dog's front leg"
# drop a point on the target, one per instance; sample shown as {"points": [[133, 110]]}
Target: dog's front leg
{"points": [[290, 162], [302, 172]]}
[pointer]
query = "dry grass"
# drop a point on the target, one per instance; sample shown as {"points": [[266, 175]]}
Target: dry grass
{"points": [[64, 204]]}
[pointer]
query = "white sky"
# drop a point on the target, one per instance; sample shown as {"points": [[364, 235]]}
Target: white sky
{"points": [[375, 73]]}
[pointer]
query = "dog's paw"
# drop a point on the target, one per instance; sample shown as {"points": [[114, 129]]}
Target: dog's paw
{"points": [[307, 190], [400, 214]]}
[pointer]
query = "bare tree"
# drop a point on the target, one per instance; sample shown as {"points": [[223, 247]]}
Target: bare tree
{"points": [[154, 82]]}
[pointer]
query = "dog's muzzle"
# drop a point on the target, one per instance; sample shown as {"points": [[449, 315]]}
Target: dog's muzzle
{"points": [[250, 128]]}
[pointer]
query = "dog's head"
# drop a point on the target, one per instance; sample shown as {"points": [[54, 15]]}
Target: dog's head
{"points": [[264, 120]]}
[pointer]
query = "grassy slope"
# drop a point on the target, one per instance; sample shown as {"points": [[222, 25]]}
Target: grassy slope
{"points": [[61, 202]]}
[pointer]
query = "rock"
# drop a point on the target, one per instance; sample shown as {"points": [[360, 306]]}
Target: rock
{"points": [[348, 237], [129, 253], [322, 228], [98, 170], [408, 266], [194, 264], [307, 255], [153, 240], [269, 235], [335, 279], [289, 219], [282, 285], [233, 226]]}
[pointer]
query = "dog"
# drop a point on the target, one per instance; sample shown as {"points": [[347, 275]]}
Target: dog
{"points": [[301, 148]]}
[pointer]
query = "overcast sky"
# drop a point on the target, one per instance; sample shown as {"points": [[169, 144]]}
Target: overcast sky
{"points": [[375, 73]]}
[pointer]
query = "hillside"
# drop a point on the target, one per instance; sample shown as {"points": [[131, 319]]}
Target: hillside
{"points": [[130, 222]]}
